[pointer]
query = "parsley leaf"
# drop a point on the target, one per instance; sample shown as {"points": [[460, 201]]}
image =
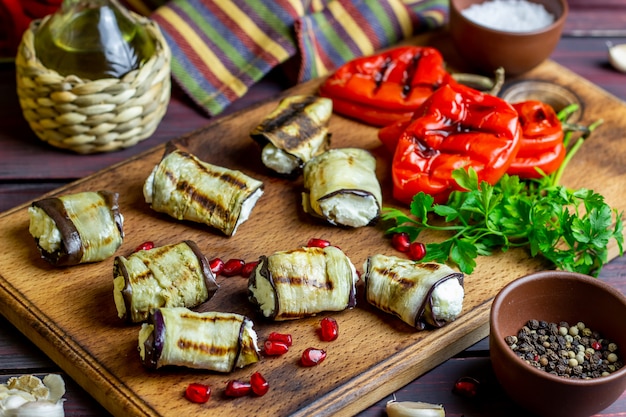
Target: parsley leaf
{"points": [[569, 228]]}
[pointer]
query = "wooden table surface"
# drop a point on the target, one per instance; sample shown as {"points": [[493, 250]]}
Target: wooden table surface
{"points": [[29, 168]]}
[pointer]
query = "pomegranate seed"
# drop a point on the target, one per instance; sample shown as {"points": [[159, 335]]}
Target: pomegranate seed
{"points": [[401, 241], [145, 246], [417, 251], [233, 267], [274, 348], [248, 268], [198, 393], [312, 356], [280, 337], [216, 265], [329, 329], [596, 345], [318, 243], [466, 387], [259, 385], [236, 388]]}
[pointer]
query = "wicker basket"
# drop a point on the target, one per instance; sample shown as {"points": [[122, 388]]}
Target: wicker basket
{"points": [[93, 116]]}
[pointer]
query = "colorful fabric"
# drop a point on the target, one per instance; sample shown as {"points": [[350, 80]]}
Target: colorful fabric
{"points": [[222, 47]]}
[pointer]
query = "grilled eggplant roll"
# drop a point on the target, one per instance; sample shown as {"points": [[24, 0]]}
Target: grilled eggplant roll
{"points": [[187, 188], [421, 294], [215, 341], [303, 282], [341, 187], [77, 228], [175, 275], [295, 132]]}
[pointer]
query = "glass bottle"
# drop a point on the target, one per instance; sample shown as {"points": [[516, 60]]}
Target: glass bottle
{"points": [[93, 39]]}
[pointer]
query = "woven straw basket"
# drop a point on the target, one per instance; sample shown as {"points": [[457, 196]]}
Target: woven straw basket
{"points": [[93, 116]]}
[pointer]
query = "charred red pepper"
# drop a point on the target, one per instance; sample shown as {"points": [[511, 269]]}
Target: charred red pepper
{"points": [[542, 140], [456, 127], [383, 88]]}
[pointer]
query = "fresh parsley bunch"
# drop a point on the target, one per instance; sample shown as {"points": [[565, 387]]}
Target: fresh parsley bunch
{"points": [[569, 228]]}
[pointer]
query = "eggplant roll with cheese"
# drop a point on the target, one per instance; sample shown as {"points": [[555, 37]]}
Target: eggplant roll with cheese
{"points": [[341, 187], [175, 275], [421, 294], [303, 282], [214, 341], [187, 188], [295, 132], [77, 228]]}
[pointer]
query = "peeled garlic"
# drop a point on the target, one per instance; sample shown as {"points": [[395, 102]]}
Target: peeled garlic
{"points": [[617, 56], [29, 396], [414, 409]]}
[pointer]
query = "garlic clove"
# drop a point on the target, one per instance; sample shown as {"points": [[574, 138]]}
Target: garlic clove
{"points": [[414, 409], [617, 56], [40, 408], [56, 386]]}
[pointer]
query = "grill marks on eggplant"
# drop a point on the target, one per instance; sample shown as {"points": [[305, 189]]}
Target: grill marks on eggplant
{"points": [[341, 187], [407, 289], [214, 341], [303, 282], [294, 132], [89, 223], [176, 275], [187, 188]]}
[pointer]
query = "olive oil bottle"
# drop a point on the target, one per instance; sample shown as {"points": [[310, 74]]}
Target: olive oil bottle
{"points": [[93, 39]]}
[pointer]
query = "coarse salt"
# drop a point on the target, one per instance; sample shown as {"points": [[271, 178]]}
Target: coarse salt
{"points": [[509, 15]]}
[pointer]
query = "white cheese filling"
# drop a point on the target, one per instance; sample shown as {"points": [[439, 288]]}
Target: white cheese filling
{"points": [[350, 209], [447, 300], [246, 208], [278, 160], [118, 287], [264, 294], [149, 185], [145, 332], [43, 228]]}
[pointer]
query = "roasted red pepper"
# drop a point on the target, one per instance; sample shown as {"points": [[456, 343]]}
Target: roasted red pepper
{"points": [[542, 140], [383, 88], [456, 127]]}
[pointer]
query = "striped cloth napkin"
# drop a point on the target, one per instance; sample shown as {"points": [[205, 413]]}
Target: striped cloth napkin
{"points": [[222, 47]]}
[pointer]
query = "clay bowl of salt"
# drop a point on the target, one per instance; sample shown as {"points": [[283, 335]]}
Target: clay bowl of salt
{"points": [[557, 342], [516, 35]]}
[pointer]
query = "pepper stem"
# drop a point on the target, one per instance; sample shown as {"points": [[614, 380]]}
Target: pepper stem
{"points": [[480, 82]]}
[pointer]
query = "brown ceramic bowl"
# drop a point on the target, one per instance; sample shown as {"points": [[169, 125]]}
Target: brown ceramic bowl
{"points": [[556, 296], [486, 49]]}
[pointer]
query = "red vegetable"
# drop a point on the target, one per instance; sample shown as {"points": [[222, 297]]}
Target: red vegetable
{"points": [[233, 267], [248, 267], [417, 250], [542, 140], [236, 388], [383, 88], [216, 265], [145, 246], [329, 329], [198, 393], [457, 127], [401, 242], [259, 385], [466, 387], [318, 243], [312, 356], [280, 337], [275, 348]]}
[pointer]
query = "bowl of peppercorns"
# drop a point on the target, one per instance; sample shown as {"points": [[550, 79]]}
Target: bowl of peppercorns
{"points": [[557, 343]]}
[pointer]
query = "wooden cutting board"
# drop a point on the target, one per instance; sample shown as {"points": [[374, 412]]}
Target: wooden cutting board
{"points": [[70, 314]]}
